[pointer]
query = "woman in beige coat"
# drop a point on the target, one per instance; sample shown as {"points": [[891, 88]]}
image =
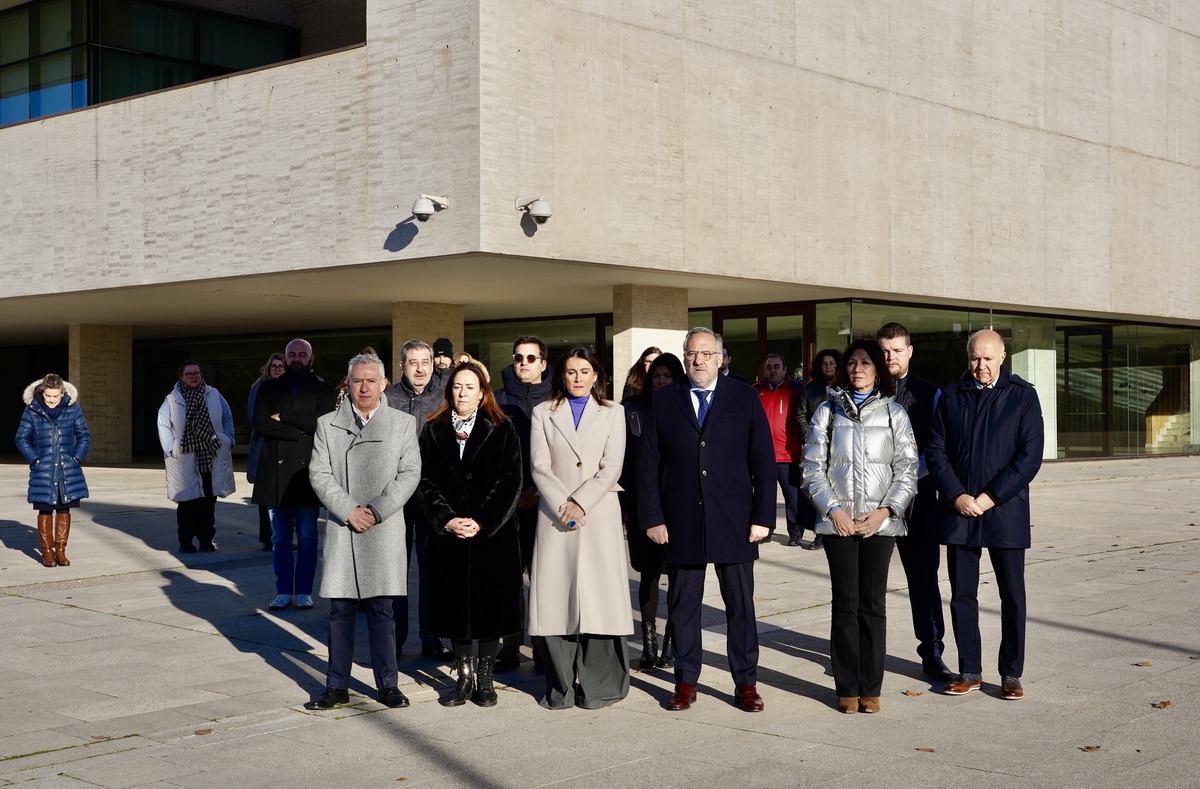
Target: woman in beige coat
{"points": [[579, 583]]}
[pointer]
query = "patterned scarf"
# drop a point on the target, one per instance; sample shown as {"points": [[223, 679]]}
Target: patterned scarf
{"points": [[198, 435], [462, 429]]}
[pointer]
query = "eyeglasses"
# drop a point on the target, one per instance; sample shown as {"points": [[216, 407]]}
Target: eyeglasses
{"points": [[277, 365], [528, 359], [705, 355]]}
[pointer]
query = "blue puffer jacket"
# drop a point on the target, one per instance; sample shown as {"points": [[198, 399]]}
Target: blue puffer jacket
{"points": [[54, 449]]}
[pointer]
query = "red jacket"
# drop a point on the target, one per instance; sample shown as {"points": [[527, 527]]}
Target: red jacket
{"points": [[786, 434]]}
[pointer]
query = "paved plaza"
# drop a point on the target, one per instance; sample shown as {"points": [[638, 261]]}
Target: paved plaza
{"points": [[139, 667]]}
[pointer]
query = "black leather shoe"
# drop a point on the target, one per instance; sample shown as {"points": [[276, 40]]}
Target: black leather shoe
{"points": [[436, 650], [936, 670], [816, 544], [329, 698], [207, 547], [392, 697], [187, 548], [793, 542]]}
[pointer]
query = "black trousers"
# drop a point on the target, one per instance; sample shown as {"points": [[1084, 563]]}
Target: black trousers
{"points": [[791, 498], [858, 572], [380, 633], [1009, 565], [400, 604], [196, 519], [921, 559], [685, 597]]}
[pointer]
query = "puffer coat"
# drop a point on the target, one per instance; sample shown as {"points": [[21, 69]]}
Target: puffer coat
{"points": [[54, 448], [860, 459]]}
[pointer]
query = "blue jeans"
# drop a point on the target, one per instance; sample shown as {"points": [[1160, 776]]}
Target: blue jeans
{"points": [[294, 575]]}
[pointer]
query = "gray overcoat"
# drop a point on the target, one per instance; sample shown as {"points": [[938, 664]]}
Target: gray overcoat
{"points": [[377, 467]]}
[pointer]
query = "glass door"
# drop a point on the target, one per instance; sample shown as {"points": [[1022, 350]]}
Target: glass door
{"points": [[1085, 392]]}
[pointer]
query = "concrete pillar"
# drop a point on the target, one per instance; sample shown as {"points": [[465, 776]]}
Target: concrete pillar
{"points": [[426, 321], [644, 315], [100, 364], [1038, 367]]}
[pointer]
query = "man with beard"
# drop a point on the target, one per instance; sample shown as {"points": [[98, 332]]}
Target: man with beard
{"points": [[285, 415], [421, 390], [525, 384]]}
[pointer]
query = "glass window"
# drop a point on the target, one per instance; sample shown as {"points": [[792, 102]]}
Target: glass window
{"points": [[236, 45], [14, 93], [740, 337], [51, 89], [53, 26], [785, 336], [14, 37], [126, 74]]}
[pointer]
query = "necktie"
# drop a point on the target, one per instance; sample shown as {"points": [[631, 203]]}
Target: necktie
{"points": [[703, 395], [357, 419]]}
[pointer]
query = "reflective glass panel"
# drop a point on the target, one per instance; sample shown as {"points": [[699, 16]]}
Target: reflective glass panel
{"points": [[14, 93], [54, 26], [14, 37]]}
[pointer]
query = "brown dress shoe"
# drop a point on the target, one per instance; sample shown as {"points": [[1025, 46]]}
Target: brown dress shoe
{"points": [[683, 698], [847, 704], [962, 684], [868, 704], [1011, 689], [748, 698]]}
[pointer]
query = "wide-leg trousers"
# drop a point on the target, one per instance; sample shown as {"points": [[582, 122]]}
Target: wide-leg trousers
{"points": [[858, 572], [588, 671]]}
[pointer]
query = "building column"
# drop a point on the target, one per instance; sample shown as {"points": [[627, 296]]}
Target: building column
{"points": [[1038, 367], [426, 321], [643, 316], [100, 365]]}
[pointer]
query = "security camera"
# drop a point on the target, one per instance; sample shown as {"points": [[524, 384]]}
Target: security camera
{"points": [[428, 205], [537, 208]]}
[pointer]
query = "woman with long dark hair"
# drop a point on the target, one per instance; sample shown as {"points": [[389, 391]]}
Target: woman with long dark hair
{"points": [[645, 555], [860, 471], [637, 373], [471, 576], [579, 588]]}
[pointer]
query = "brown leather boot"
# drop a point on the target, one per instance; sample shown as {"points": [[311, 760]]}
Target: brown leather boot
{"points": [[62, 530], [46, 538]]}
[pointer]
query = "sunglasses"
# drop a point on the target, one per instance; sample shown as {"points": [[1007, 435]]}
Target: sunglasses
{"points": [[528, 359]]}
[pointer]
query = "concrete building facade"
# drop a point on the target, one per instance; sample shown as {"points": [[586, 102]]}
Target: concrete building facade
{"points": [[972, 157]]}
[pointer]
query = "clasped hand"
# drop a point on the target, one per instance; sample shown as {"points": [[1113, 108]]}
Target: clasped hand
{"points": [[973, 506], [571, 513], [463, 528], [864, 525], [360, 519]]}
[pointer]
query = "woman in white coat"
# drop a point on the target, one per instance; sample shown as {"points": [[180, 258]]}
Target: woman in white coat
{"points": [[579, 583], [195, 429]]}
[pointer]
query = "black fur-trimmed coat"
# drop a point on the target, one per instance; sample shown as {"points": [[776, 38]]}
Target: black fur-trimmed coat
{"points": [[471, 587]]}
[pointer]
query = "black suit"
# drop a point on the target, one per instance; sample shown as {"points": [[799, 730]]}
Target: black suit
{"points": [[715, 482], [921, 550]]}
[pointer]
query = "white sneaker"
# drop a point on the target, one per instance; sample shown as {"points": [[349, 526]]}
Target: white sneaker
{"points": [[304, 601], [280, 602]]}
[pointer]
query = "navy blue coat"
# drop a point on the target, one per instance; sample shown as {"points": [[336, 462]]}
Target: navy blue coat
{"points": [[54, 450], [986, 441], [715, 482], [918, 396]]}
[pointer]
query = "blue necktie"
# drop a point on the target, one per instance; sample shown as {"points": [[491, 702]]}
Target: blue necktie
{"points": [[703, 395]]}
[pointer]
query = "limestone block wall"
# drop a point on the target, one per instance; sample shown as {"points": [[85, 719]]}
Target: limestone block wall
{"points": [[1044, 156]]}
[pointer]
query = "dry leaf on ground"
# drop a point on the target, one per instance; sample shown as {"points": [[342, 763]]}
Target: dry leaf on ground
{"points": [[1089, 748], [1162, 705], [911, 692], [1142, 663]]}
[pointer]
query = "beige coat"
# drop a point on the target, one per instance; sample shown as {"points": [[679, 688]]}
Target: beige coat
{"points": [[580, 579]]}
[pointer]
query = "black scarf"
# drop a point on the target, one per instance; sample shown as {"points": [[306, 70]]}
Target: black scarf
{"points": [[198, 434]]}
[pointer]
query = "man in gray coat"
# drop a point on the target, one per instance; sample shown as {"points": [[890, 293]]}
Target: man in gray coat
{"points": [[365, 466]]}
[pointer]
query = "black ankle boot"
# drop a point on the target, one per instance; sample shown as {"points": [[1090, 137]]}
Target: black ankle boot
{"points": [[485, 691], [465, 668], [667, 658], [649, 645]]}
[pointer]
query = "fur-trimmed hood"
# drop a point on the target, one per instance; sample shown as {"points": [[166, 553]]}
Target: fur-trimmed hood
{"points": [[68, 388]]}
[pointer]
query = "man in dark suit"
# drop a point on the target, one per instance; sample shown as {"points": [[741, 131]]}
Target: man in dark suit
{"points": [[985, 447], [707, 492], [920, 549]]}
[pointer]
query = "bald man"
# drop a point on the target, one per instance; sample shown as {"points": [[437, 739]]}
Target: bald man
{"points": [[985, 447]]}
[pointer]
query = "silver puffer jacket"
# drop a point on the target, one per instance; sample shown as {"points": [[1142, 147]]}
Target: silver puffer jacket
{"points": [[866, 460]]}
